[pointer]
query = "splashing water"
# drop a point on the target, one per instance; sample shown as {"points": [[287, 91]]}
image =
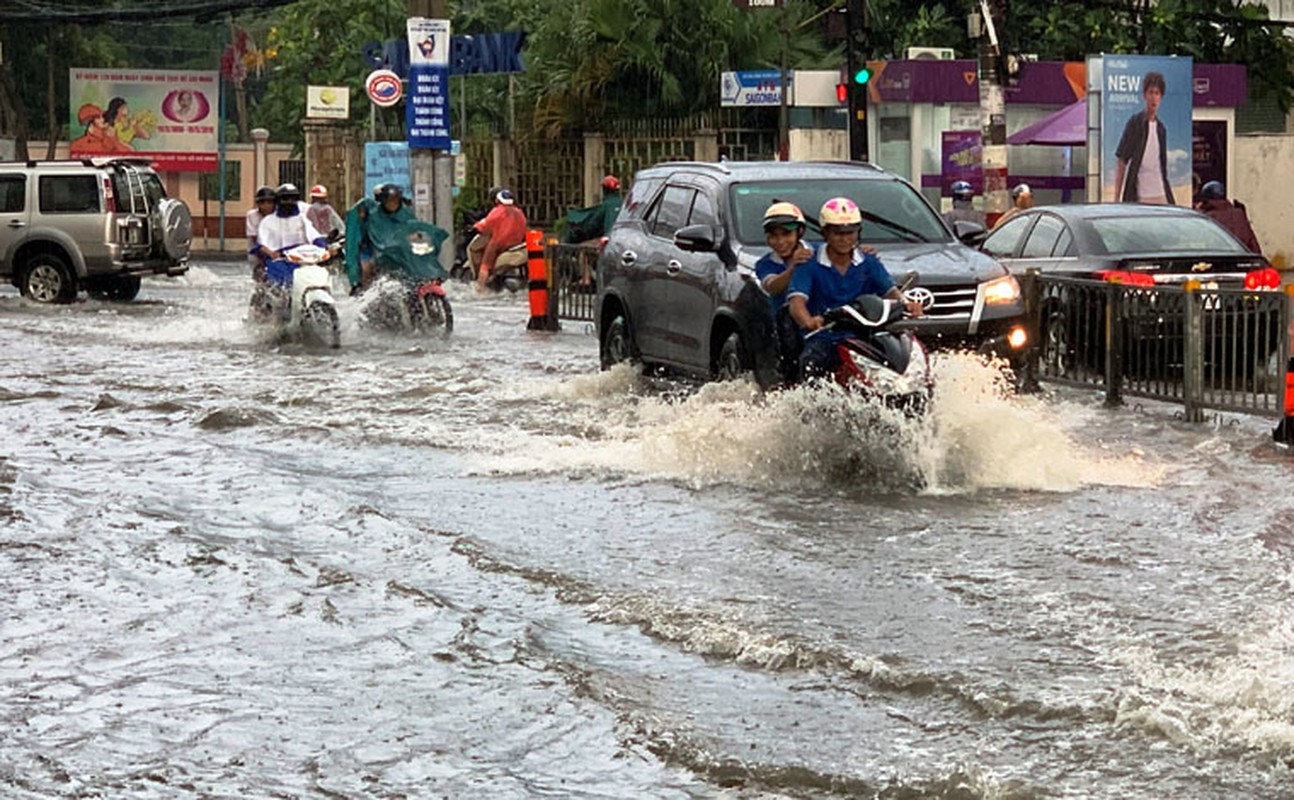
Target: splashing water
{"points": [[978, 435]]}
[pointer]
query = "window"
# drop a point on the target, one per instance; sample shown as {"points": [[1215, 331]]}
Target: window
{"points": [[703, 211], [640, 194], [1162, 232], [671, 211], [292, 171], [1064, 245], [69, 194], [209, 188], [135, 191], [13, 194], [1004, 241], [892, 210], [1042, 239]]}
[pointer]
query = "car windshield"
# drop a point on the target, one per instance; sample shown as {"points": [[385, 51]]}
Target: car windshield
{"points": [[892, 210], [1163, 234]]}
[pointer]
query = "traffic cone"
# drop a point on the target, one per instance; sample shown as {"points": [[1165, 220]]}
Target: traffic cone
{"points": [[537, 272]]}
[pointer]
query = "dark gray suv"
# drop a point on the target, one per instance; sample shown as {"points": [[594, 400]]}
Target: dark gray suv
{"points": [[96, 223], [676, 281]]}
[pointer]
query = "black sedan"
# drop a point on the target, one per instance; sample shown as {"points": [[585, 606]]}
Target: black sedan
{"points": [[1139, 244], [1152, 250]]}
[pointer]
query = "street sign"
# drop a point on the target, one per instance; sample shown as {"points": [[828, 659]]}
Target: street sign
{"points": [[759, 87], [749, 4], [427, 112], [383, 87], [327, 102]]}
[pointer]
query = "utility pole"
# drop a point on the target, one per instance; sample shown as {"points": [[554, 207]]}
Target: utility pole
{"points": [[997, 198], [432, 171]]}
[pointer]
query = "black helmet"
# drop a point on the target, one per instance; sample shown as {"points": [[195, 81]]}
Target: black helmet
{"points": [[265, 193], [287, 192], [493, 195], [386, 190], [962, 190], [1213, 190]]}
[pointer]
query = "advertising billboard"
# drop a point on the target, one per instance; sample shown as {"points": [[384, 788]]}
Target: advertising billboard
{"points": [[169, 116], [1146, 139]]}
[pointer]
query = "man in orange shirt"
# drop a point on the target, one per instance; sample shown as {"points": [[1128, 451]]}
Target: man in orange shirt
{"points": [[503, 228]]}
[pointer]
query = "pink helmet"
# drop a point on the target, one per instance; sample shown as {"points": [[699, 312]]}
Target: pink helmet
{"points": [[840, 211], [318, 190]]}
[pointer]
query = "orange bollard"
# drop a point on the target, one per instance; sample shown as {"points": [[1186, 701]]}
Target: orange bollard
{"points": [[537, 272], [1283, 433]]}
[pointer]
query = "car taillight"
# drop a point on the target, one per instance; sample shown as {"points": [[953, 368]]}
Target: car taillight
{"points": [[1267, 278], [109, 199], [1123, 276]]}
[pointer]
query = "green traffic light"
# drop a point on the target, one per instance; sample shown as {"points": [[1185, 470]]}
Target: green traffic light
{"points": [[863, 75]]}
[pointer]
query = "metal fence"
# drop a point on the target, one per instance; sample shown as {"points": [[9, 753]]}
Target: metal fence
{"points": [[1220, 349], [572, 286]]}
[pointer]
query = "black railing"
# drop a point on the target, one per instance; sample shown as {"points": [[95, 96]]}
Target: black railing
{"points": [[1221, 349], [572, 281]]}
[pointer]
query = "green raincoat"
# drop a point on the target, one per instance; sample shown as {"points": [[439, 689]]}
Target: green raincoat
{"points": [[400, 242]]}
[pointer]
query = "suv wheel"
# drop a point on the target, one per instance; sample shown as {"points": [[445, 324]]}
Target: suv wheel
{"points": [[116, 287], [48, 279], [617, 344], [732, 364]]}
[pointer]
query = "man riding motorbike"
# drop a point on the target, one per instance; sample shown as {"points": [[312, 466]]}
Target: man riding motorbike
{"points": [[370, 224], [838, 273], [502, 229], [287, 226]]}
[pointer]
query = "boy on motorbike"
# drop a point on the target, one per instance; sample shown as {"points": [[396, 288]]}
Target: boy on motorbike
{"points": [[502, 229], [321, 213], [264, 207], [784, 228], [838, 273]]}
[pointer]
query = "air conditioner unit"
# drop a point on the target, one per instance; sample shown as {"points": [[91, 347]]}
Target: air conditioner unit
{"points": [[931, 54]]}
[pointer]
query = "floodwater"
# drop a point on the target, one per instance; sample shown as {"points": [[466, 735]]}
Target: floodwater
{"points": [[479, 567]]}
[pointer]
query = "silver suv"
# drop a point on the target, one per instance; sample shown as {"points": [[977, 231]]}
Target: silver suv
{"points": [[96, 223]]}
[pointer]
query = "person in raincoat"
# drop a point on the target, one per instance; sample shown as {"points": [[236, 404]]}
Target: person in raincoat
{"points": [[384, 236], [588, 225]]}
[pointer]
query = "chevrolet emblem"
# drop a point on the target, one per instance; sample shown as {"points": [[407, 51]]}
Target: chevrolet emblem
{"points": [[1201, 266]]}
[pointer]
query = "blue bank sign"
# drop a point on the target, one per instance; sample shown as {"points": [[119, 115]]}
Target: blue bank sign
{"points": [[478, 54]]}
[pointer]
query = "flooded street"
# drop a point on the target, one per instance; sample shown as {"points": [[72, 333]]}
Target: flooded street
{"points": [[479, 567]]}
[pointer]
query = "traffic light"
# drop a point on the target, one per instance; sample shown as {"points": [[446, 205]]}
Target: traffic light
{"points": [[842, 93], [862, 76]]}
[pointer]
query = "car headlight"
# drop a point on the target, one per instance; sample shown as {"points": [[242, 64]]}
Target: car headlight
{"points": [[1005, 289]]}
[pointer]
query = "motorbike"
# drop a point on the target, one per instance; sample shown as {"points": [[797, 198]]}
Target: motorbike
{"points": [[510, 270], [891, 366], [297, 296], [398, 304], [409, 292]]}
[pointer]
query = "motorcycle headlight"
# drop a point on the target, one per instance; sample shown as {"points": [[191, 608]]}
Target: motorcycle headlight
{"points": [[998, 291]]}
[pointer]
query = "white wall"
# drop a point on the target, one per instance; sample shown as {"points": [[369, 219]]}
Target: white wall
{"points": [[809, 144], [1263, 175]]}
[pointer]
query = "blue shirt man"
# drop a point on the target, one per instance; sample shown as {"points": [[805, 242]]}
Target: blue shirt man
{"points": [[838, 273]]}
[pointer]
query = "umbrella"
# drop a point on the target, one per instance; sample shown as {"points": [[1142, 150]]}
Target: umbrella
{"points": [[1066, 127]]}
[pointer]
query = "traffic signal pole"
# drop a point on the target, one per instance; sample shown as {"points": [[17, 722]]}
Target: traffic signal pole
{"points": [[856, 38]]}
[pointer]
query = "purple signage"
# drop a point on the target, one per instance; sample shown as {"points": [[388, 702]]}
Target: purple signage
{"points": [[963, 160], [1040, 83]]}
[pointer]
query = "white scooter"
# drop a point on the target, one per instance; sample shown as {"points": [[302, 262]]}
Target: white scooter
{"points": [[297, 296]]}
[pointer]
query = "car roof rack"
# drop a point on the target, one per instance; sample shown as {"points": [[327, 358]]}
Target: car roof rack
{"points": [[94, 161]]}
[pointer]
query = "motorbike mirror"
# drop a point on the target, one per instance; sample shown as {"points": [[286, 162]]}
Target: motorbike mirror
{"points": [[909, 280], [696, 239]]}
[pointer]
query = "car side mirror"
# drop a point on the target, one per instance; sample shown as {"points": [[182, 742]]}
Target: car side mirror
{"points": [[696, 239], [967, 232]]}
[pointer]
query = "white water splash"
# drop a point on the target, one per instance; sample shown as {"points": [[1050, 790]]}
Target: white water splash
{"points": [[978, 435]]}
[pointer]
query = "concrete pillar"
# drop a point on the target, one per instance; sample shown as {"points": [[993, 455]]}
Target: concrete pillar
{"points": [[595, 166], [260, 158], [705, 145]]}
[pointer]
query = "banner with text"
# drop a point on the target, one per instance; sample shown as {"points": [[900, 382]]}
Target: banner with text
{"points": [[427, 104], [1146, 137], [167, 115]]}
